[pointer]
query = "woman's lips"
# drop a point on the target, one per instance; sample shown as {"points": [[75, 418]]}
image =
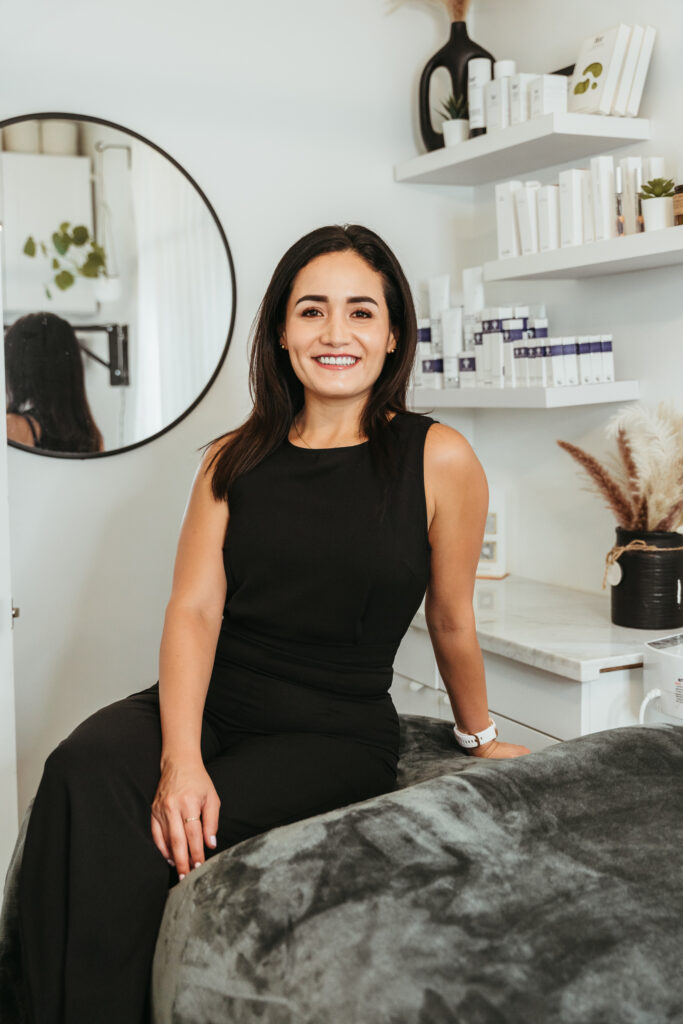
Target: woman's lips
{"points": [[337, 366]]}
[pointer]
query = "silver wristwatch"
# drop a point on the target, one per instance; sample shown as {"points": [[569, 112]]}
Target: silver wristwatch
{"points": [[476, 739]]}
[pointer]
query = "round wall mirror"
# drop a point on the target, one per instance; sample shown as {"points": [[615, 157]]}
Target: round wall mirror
{"points": [[118, 287]]}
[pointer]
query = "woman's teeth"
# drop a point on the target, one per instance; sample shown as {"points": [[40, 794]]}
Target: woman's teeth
{"points": [[336, 360]]}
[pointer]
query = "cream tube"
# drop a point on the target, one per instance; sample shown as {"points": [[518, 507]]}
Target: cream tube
{"points": [[439, 300]]}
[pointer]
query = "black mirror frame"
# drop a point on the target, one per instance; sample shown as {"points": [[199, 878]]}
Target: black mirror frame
{"points": [[128, 131]]}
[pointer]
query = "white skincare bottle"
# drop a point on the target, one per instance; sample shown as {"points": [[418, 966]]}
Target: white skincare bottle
{"points": [[478, 74]]}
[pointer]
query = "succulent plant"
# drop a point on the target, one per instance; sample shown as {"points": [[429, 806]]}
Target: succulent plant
{"points": [[657, 188], [455, 108]]}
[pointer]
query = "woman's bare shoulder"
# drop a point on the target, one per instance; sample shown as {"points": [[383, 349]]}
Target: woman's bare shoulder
{"points": [[447, 449]]}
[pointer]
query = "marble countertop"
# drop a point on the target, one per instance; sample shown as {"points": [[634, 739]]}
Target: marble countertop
{"points": [[554, 628]]}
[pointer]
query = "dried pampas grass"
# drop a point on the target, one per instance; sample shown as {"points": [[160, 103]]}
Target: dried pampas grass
{"points": [[643, 485], [457, 9]]}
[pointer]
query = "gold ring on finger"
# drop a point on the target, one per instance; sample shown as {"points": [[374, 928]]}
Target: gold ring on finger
{"points": [[190, 819]]}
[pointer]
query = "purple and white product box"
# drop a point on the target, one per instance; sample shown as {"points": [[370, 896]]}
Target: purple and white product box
{"points": [[467, 370], [514, 324], [493, 316], [606, 341], [539, 366], [548, 364], [493, 359], [509, 374], [585, 361], [424, 349], [479, 359], [520, 353], [571, 361], [596, 357], [432, 373], [557, 374], [538, 328]]}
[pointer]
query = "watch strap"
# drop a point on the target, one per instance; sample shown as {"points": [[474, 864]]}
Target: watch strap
{"points": [[476, 739]]}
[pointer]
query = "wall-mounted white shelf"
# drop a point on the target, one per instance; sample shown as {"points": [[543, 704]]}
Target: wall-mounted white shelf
{"points": [[643, 251], [542, 142], [523, 398]]}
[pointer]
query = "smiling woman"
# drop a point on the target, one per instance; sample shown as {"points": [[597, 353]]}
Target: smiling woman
{"points": [[277, 652]]}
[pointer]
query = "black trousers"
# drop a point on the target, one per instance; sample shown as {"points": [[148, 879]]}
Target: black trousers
{"points": [[93, 884]]}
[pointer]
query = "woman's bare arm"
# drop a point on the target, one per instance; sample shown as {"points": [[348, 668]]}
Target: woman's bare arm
{"points": [[457, 496], [193, 619]]}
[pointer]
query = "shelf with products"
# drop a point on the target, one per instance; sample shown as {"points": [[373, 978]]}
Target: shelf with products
{"points": [[541, 142], [523, 398], [644, 251]]}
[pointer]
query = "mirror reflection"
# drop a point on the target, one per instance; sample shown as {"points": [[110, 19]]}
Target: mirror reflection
{"points": [[118, 287]]}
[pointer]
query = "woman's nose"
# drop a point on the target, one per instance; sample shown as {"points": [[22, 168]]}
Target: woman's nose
{"points": [[336, 327]]}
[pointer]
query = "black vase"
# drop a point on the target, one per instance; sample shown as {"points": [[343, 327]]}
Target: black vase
{"points": [[454, 56], [649, 595]]}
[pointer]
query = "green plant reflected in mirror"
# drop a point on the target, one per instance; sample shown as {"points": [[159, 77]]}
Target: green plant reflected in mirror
{"points": [[118, 287]]}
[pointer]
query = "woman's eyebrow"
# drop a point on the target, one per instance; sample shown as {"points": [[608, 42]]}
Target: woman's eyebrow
{"points": [[325, 298]]}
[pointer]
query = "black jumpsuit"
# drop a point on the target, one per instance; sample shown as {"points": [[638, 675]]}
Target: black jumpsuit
{"points": [[297, 720]]}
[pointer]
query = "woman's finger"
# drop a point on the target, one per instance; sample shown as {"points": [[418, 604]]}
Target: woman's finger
{"points": [[210, 818], [179, 847], [193, 833], [159, 839]]}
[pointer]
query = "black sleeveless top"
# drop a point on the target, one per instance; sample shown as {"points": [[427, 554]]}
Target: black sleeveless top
{"points": [[320, 590]]}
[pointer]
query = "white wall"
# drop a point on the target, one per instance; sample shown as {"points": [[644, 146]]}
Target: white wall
{"points": [[290, 117]]}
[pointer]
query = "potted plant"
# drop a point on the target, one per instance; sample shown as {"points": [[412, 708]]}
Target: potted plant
{"points": [[642, 485], [65, 267], [658, 211], [456, 126]]}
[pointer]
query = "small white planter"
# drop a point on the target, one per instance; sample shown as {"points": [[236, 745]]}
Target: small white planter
{"points": [[22, 137], [455, 131], [658, 213], [59, 138]]}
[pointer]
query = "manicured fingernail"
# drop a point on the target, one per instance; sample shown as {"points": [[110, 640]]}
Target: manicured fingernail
{"points": [[197, 863], [169, 861], [181, 877], [212, 840]]}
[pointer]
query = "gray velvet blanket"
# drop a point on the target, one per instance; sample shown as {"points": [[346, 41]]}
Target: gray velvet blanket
{"points": [[542, 890]]}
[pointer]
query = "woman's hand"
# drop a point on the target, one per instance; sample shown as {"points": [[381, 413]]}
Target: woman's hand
{"points": [[185, 790], [496, 749]]}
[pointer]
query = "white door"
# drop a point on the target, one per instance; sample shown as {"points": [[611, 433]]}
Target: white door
{"points": [[8, 751]]}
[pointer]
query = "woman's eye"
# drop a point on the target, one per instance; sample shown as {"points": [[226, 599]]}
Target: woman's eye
{"points": [[365, 313], [310, 310]]}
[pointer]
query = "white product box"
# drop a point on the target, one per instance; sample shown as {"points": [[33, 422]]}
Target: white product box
{"points": [[520, 98], [450, 372], [497, 103], [432, 373], [548, 95], [538, 328], [493, 358], [631, 166], [527, 216], [606, 344], [596, 357], [520, 355], [640, 73], [423, 350], [596, 73], [548, 200], [479, 72], [571, 361], [467, 371], [478, 358], [604, 198], [628, 70], [509, 375], [506, 219], [585, 360], [571, 206], [587, 217], [557, 377]]}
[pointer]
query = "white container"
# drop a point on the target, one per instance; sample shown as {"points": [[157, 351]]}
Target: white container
{"points": [[587, 215], [658, 213], [520, 97], [520, 354], [22, 137], [59, 138], [548, 95], [607, 357], [478, 74], [451, 378], [628, 68], [455, 131], [571, 361], [497, 104], [557, 374], [467, 371], [604, 197], [640, 72], [630, 166], [571, 207], [548, 202], [527, 216], [596, 357], [506, 219], [451, 324], [585, 360]]}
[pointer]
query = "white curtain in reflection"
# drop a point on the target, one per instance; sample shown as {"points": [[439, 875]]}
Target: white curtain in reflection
{"points": [[184, 292]]}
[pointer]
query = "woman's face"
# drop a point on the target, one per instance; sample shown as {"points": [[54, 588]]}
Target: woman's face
{"points": [[337, 326]]}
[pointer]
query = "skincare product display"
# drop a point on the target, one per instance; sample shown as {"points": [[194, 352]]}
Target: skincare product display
{"points": [[588, 204], [610, 71]]}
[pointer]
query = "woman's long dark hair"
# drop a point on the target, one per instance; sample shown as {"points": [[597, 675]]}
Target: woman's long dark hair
{"points": [[44, 377], [277, 393]]}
